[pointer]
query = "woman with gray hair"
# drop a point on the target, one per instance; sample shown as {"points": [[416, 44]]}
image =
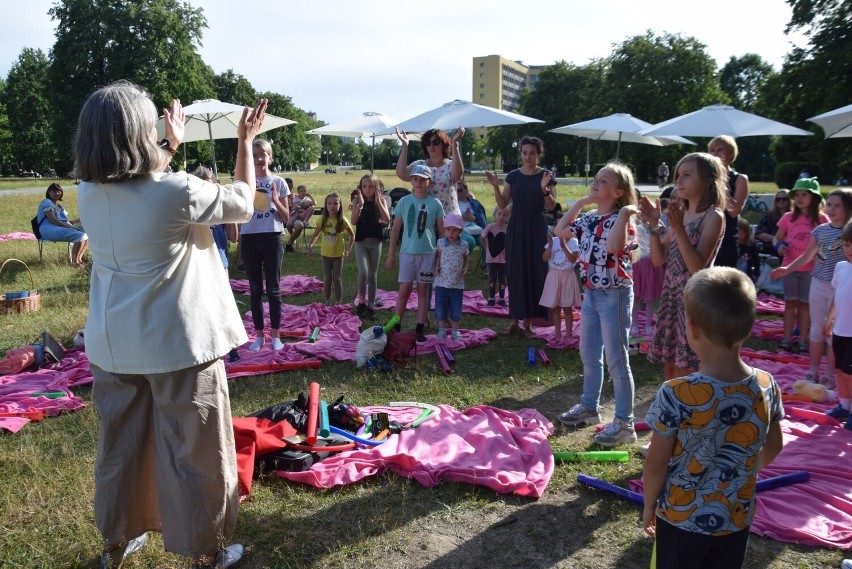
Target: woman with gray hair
{"points": [[161, 316]]}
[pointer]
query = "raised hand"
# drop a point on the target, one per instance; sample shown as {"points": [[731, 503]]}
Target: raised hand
{"points": [[174, 120], [649, 210], [458, 135], [252, 120], [403, 138]]}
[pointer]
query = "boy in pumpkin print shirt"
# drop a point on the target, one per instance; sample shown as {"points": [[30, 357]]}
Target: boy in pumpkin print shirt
{"points": [[711, 432]]}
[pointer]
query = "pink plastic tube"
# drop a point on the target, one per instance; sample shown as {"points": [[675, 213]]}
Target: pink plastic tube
{"points": [[543, 356], [451, 359], [638, 426], [442, 360]]}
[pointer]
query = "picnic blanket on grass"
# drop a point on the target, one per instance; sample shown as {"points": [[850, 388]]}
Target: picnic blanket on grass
{"points": [[17, 235], [291, 285], [506, 451]]}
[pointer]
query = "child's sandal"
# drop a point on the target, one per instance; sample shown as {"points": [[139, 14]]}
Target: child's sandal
{"points": [[784, 345]]}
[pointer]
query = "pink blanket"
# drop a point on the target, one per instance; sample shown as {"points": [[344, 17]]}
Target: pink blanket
{"points": [[291, 285], [17, 235], [506, 451], [768, 304], [17, 402]]}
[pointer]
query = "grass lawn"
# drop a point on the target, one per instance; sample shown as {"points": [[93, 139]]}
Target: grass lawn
{"points": [[47, 469]]}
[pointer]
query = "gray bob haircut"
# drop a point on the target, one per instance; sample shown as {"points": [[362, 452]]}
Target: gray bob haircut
{"points": [[113, 142]]}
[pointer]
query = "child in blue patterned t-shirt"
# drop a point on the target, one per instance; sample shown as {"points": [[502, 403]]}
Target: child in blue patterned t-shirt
{"points": [[451, 263]]}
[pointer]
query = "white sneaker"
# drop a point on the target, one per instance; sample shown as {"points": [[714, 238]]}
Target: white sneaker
{"points": [[256, 345], [277, 344], [578, 416], [616, 433], [442, 334], [456, 335], [846, 564]]}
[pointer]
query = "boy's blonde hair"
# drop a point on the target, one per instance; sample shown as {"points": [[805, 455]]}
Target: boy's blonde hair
{"points": [[722, 302], [625, 182], [712, 175], [744, 225]]}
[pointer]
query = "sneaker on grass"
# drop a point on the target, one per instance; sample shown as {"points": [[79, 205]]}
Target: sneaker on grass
{"points": [[616, 433], [578, 416]]}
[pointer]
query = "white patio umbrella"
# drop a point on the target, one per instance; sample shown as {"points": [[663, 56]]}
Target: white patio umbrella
{"points": [[618, 127], [836, 123], [460, 113], [211, 120], [367, 125], [722, 119]]}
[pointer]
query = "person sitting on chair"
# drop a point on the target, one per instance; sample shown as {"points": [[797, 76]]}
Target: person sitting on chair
{"points": [[54, 225]]}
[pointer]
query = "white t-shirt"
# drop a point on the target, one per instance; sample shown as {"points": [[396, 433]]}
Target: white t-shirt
{"points": [[841, 282], [558, 258], [267, 221]]}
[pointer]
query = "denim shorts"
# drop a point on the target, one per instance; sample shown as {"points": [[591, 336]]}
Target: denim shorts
{"points": [[448, 301]]}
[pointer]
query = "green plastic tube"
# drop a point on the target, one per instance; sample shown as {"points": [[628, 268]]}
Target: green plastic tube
{"points": [[593, 456]]}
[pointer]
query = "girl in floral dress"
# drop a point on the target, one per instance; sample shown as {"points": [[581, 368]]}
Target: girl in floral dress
{"points": [[696, 223]]}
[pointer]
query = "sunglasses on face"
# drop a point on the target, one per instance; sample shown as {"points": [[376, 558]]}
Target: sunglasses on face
{"points": [[782, 199], [435, 142]]}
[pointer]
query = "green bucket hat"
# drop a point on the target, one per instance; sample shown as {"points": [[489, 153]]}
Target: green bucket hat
{"points": [[808, 184]]}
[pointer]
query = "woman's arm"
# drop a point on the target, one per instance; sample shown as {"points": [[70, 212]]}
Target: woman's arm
{"points": [[502, 199], [457, 168], [402, 161], [51, 217], [735, 205], [700, 257], [247, 129]]}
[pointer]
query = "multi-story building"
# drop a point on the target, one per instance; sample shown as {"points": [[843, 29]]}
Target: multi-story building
{"points": [[498, 82]]}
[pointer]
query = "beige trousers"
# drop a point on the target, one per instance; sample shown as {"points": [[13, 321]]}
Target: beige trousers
{"points": [[166, 460]]}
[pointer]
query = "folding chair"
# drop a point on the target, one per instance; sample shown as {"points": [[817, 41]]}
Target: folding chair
{"points": [[41, 241]]}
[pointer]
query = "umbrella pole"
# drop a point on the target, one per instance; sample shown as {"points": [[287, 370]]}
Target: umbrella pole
{"points": [[588, 142], [213, 149], [373, 155], [618, 147]]}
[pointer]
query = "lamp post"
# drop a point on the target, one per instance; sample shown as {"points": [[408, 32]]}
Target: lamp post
{"points": [[470, 153]]}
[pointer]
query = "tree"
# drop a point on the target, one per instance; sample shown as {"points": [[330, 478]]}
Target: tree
{"points": [[5, 134], [150, 42], [291, 139], [742, 78], [813, 81], [29, 112]]}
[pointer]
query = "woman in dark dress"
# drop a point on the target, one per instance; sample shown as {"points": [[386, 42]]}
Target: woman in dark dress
{"points": [[725, 148], [528, 189]]}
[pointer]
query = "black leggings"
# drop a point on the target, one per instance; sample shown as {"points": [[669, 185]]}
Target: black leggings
{"points": [[262, 259], [496, 277]]}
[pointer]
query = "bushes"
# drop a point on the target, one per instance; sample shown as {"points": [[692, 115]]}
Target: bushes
{"points": [[786, 173]]}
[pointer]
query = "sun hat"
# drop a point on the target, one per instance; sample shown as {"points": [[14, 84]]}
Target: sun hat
{"points": [[453, 220], [808, 184], [422, 171]]}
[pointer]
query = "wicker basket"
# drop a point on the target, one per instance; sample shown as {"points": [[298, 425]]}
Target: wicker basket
{"points": [[29, 303]]}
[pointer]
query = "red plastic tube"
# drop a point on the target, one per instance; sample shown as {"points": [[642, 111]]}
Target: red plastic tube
{"points": [[313, 413], [275, 366], [292, 334]]}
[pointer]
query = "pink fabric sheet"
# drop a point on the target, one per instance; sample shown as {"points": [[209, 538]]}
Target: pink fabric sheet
{"points": [[291, 285], [768, 304], [506, 451], [17, 235]]}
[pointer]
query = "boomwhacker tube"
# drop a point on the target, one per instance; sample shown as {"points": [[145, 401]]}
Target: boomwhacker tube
{"points": [[391, 323], [314, 335], [323, 429], [783, 480], [606, 486], [434, 411], [638, 426], [313, 413], [292, 334], [272, 367], [531, 356], [442, 361], [355, 438], [451, 359], [593, 456], [543, 357]]}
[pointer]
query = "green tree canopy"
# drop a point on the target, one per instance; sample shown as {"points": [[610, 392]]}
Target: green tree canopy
{"points": [[29, 112], [151, 42], [742, 78]]}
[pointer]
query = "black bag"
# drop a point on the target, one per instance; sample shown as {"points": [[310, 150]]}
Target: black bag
{"points": [[288, 460], [36, 225]]}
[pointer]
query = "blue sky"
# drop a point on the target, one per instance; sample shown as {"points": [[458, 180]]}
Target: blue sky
{"points": [[339, 58]]}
